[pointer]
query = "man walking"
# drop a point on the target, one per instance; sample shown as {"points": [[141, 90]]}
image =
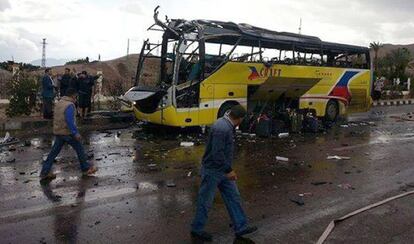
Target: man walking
{"points": [[47, 94], [65, 131], [217, 172]]}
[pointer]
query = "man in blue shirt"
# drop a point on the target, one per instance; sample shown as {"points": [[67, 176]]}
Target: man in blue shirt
{"points": [[217, 172], [47, 94], [65, 131]]}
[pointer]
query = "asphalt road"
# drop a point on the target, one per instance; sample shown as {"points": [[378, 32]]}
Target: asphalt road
{"points": [[145, 189]]}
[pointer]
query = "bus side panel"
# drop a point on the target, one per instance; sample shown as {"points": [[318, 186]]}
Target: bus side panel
{"points": [[360, 91], [207, 114], [350, 87], [318, 96], [229, 93], [171, 116]]}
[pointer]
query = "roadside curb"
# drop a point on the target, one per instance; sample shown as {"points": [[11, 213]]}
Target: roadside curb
{"points": [[392, 102], [37, 124], [27, 125]]}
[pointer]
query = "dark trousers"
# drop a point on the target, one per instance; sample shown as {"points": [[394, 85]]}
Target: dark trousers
{"points": [[47, 107], [85, 103], [210, 182], [57, 146], [377, 95]]}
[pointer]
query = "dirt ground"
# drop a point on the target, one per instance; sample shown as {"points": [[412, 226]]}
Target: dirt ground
{"points": [[3, 113]]}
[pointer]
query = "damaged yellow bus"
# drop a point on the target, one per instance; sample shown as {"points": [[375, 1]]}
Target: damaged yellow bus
{"points": [[205, 67]]}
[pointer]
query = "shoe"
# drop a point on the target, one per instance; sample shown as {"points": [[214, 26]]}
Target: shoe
{"points": [[49, 176], [202, 236], [92, 170], [248, 230]]}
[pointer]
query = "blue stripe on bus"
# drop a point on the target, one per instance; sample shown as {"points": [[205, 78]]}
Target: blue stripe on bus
{"points": [[346, 78]]}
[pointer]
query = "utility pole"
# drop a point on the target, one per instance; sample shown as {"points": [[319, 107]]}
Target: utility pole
{"points": [[127, 48], [300, 26], [44, 53]]}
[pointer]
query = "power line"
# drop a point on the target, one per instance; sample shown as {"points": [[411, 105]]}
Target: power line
{"points": [[44, 53], [127, 48]]}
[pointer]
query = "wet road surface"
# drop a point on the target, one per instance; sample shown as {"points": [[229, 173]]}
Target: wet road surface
{"points": [[145, 189]]}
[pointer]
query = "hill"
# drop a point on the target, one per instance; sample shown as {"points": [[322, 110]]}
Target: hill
{"points": [[389, 47], [120, 71]]}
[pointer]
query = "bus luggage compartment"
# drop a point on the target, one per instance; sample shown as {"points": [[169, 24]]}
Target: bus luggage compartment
{"points": [[289, 87]]}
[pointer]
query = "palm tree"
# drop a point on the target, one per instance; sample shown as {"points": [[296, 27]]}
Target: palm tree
{"points": [[400, 58], [375, 46]]}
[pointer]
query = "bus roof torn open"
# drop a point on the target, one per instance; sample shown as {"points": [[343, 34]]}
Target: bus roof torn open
{"points": [[230, 33]]}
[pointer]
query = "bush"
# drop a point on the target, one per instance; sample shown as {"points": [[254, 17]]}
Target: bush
{"points": [[22, 90], [78, 61]]}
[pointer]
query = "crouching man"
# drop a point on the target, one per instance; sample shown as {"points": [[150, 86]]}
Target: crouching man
{"points": [[217, 172], [65, 131]]}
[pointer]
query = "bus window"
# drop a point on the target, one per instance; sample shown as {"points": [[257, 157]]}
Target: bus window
{"points": [[358, 61], [190, 69]]}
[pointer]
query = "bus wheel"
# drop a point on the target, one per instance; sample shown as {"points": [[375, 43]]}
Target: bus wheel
{"points": [[332, 110], [224, 108]]}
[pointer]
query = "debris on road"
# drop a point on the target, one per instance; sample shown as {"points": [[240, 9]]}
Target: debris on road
{"points": [[332, 224], [8, 140], [6, 157], [283, 135], [318, 183], [298, 200], [171, 184], [338, 157], [189, 173], [187, 144], [282, 159], [90, 155], [27, 143], [346, 186]]}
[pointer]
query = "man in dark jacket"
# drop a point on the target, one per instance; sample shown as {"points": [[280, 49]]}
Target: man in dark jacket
{"points": [[47, 94], [85, 85], [217, 172], [66, 81]]}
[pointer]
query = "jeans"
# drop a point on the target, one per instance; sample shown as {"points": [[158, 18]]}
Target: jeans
{"points": [[57, 146], [47, 108], [210, 181]]}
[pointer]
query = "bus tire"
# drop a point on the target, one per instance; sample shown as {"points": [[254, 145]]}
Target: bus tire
{"points": [[225, 107], [332, 110]]}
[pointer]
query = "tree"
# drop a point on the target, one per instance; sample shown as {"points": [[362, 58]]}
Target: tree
{"points": [[79, 61], [22, 90], [394, 64], [400, 58], [375, 46]]}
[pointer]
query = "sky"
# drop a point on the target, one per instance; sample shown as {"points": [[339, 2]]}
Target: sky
{"points": [[79, 28]]}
